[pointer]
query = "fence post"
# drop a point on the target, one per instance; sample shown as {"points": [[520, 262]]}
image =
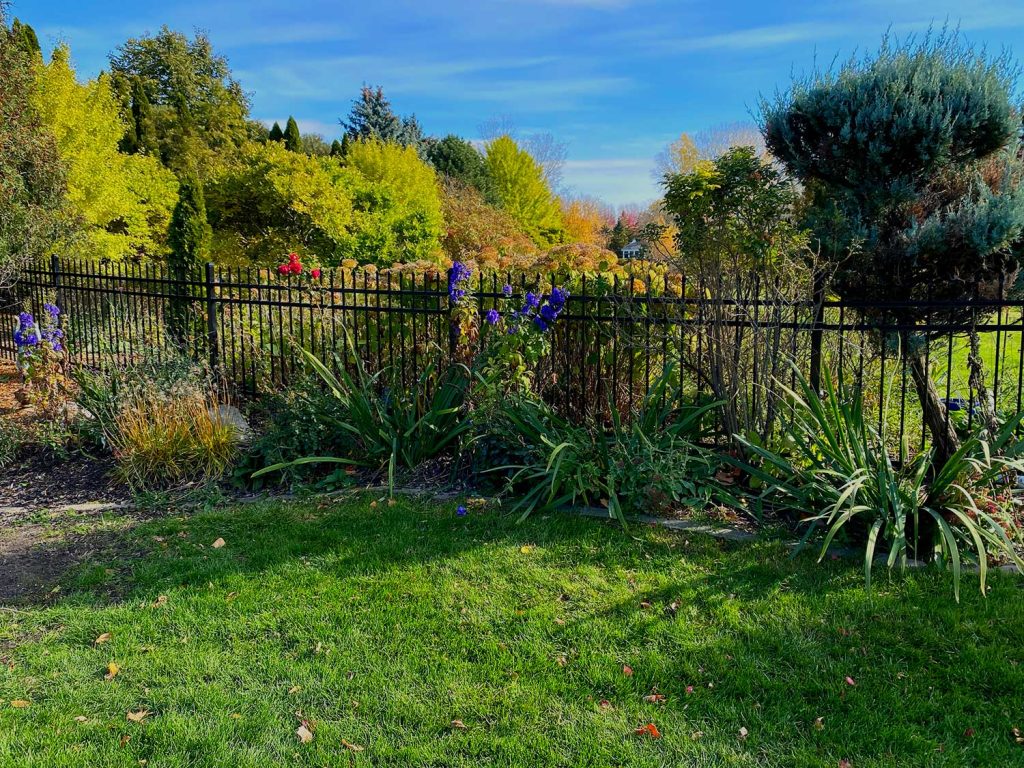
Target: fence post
{"points": [[816, 330], [211, 318], [58, 283]]}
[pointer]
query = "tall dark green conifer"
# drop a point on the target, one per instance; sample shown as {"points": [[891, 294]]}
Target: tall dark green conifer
{"points": [[337, 150], [189, 239], [276, 134], [292, 137], [141, 137], [25, 38]]}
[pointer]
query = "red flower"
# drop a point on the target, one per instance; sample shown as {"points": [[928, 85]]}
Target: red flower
{"points": [[315, 273], [293, 257], [296, 268], [283, 269]]}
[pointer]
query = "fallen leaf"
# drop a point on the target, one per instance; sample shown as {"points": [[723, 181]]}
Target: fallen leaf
{"points": [[1017, 736], [743, 733], [968, 733], [697, 735], [231, 596], [672, 608], [525, 549], [105, 637], [373, 505], [689, 689], [294, 689], [562, 661], [160, 602], [604, 704], [458, 725], [819, 723], [844, 763], [655, 698], [81, 719], [219, 543], [305, 735], [138, 717], [19, 703], [112, 670], [850, 680], [125, 738], [350, 746], [235, 716], [645, 604], [627, 670], [648, 730]]}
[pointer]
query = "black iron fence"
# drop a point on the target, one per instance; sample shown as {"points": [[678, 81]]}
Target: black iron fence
{"points": [[616, 337]]}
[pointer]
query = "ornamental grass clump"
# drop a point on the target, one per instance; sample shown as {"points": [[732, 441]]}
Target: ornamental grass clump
{"points": [[165, 443]]}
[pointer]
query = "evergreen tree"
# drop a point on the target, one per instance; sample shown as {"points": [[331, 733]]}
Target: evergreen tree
{"points": [[292, 137], [140, 138], [346, 145], [908, 161], [276, 134], [337, 150], [372, 118], [457, 158], [23, 36], [189, 239]]}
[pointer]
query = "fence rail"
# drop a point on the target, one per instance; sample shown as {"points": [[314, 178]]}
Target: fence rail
{"points": [[615, 338]]}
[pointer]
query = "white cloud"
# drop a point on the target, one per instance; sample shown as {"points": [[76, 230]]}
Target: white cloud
{"points": [[619, 181]]}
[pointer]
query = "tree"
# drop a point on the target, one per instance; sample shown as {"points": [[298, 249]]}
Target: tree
{"points": [[585, 221], [140, 136], [275, 134], [121, 203], [397, 205], [683, 154], [523, 191], [914, 190], [24, 37], [32, 175], [272, 201], [189, 240], [548, 151], [292, 137], [458, 159], [680, 156], [371, 117], [337, 150], [201, 112], [738, 241]]}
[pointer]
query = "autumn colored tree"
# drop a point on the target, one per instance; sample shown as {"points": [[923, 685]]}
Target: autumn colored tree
{"points": [[478, 232], [585, 221], [123, 202], [523, 191]]}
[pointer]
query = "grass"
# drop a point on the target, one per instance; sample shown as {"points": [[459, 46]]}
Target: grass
{"points": [[382, 625]]}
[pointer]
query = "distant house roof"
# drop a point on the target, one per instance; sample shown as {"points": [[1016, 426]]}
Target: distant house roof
{"points": [[633, 248]]}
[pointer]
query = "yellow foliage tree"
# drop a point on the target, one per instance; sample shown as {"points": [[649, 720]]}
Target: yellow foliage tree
{"points": [[585, 221], [123, 202]]}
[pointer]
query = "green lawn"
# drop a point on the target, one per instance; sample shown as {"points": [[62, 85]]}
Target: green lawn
{"points": [[382, 626]]}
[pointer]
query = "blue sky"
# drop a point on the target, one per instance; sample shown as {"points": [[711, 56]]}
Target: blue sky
{"points": [[615, 79]]}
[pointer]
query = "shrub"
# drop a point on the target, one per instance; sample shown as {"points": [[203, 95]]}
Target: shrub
{"points": [[836, 467]]}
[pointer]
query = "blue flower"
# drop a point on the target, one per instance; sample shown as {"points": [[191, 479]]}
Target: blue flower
{"points": [[558, 297], [492, 317], [461, 511], [549, 313], [541, 323], [51, 310], [532, 300], [506, 289], [458, 274]]}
